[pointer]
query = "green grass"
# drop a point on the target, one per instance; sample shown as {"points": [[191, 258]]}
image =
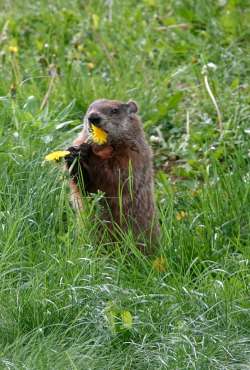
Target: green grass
{"points": [[63, 289]]}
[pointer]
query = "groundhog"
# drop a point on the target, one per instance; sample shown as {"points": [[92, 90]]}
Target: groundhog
{"points": [[121, 168]]}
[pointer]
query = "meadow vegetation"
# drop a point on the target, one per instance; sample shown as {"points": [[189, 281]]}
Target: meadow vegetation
{"points": [[70, 299]]}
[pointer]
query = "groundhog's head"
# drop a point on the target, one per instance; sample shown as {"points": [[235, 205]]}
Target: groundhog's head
{"points": [[116, 118]]}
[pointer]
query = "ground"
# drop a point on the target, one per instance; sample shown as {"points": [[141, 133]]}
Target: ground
{"points": [[70, 299]]}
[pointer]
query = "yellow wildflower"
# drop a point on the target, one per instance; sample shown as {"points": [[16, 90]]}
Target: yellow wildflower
{"points": [[127, 319], [55, 156], [195, 192], [99, 136], [80, 47], [13, 49], [180, 215], [160, 264], [90, 66]]}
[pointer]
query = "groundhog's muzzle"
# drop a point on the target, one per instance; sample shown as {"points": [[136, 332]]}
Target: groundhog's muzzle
{"points": [[95, 119]]}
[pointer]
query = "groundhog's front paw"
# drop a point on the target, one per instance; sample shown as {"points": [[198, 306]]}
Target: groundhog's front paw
{"points": [[73, 156], [77, 159]]}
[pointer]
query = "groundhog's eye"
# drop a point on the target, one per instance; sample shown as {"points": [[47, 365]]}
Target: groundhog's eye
{"points": [[114, 110]]}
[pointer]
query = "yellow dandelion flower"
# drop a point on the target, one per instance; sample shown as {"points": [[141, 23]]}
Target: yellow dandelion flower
{"points": [[160, 264], [195, 192], [127, 319], [90, 66], [80, 47], [180, 215], [99, 136], [55, 156], [13, 49]]}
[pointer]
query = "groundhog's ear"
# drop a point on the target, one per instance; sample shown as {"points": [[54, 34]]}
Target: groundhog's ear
{"points": [[132, 106]]}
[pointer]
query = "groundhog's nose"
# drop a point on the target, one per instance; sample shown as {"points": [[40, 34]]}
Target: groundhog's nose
{"points": [[94, 118]]}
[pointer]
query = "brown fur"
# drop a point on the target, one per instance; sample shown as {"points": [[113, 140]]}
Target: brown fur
{"points": [[121, 167]]}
